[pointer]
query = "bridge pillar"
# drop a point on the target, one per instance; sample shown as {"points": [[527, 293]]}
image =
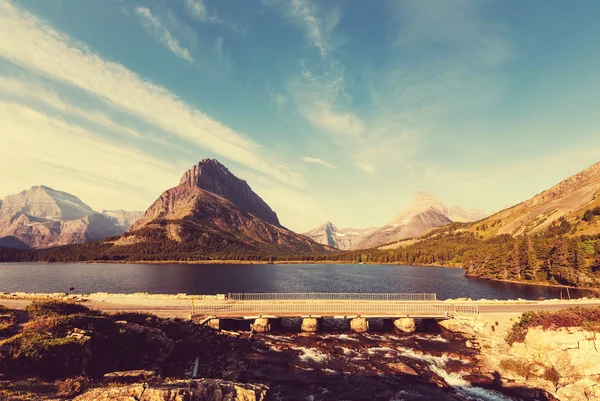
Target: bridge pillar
{"points": [[359, 325], [405, 324], [214, 324], [310, 324], [261, 325]]}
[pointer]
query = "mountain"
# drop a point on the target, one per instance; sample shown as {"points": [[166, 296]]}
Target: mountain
{"points": [[567, 201], [124, 218], [459, 215], [43, 217], [212, 213], [340, 238], [414, 227], [425, 211], [421, 202]]}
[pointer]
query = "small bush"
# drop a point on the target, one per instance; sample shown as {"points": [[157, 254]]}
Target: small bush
{"points": [[587, 318], [48, 308], [519, 367], [134, 317], [73, 386]]}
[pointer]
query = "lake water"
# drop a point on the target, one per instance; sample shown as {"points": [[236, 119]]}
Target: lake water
{"points": [[223, 278]]}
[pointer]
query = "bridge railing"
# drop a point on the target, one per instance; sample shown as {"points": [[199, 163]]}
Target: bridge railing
{"points": [[331, 309], [331, 296]]}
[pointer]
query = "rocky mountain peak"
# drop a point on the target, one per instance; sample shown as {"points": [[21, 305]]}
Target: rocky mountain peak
{"points": [[44, 202], [212, 176], [421, 202]]}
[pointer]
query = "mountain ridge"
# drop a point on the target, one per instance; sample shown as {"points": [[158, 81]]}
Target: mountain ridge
{"points": [[44, 217]]}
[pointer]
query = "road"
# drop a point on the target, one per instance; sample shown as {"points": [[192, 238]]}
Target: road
{"points": [[171, 308]]}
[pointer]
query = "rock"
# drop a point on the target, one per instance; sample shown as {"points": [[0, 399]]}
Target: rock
{"points": [[584, 389], [214, 324], [261, 325], [402, 368], [310, 324], [130, 376], [359, 325], [405, 325], [155, 339], [564, 362], [182, 390], [463, 325]]}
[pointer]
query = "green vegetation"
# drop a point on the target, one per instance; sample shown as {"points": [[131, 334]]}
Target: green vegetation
{"points": [[587, 318]]}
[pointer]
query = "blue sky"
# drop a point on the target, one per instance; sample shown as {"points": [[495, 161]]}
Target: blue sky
{"points": [[331, 110]]}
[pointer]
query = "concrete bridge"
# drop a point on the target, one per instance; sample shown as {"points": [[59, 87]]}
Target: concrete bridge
{"points": [[311, 307]]}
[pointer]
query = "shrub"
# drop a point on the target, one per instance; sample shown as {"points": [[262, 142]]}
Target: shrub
{"points": [[73, 386], [587, 318], [44, 356], [48, 308], [134, 317]]}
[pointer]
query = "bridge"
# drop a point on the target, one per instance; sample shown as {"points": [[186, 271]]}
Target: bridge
{"points": [[402, 308]]}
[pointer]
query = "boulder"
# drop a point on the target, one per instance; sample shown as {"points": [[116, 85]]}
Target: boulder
{"points": [[128, 376], [310, 324], [188, 390], [405, 325], [464, 325], [359, 325], [402, 368], [261, 325]]}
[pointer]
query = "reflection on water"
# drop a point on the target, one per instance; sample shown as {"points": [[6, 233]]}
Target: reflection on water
{"points": [[222, 278]]}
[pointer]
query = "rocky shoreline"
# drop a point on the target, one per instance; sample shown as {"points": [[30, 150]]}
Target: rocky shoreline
{"points": [[464, 358]]}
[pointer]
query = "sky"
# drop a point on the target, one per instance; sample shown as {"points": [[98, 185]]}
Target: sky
{"points": [[331, 110]]}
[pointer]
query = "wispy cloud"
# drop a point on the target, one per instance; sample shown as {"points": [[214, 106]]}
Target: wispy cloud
{"points": [[367, 168], [71, 158], [305, 14], [318, 161], [198, 10], [159, 30], [43, 50]]}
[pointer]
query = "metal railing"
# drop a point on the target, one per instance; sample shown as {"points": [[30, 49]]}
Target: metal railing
{"points": [[331, 309], [331, 296]]}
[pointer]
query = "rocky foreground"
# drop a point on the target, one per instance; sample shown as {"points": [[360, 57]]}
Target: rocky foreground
{"points": [[64, 350]]}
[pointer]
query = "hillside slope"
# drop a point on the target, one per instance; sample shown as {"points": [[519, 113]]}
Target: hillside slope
{"points": [[568, 200]]}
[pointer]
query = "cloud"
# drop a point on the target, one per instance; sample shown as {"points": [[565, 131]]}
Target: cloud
{"points": [[156, 28], [318, 161], [27, 41], [344, 123], [367, 168], [71, 158], [305, 14], [197, 10]]}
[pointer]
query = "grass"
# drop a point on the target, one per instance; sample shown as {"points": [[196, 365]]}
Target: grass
{"points": [[530, 370], [587, 318]]}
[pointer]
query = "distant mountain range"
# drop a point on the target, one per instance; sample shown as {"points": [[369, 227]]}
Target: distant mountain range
{"points": [[426, 211], [42, 217], [211, 214], [340, 238]]}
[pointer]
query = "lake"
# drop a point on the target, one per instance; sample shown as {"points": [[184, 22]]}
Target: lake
{"points": [[224, 278]]}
